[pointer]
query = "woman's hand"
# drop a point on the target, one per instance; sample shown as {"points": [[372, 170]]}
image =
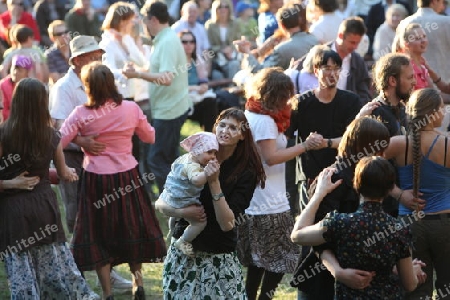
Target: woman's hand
{"points": [[417, 267], [212, 170], [407, 199], [194, 212], [355, 279], [368, 108], [324, 184], [314, 141], [22, 182], [70, 175]]}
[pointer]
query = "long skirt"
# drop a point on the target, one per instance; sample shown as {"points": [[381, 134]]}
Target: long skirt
{"points": [[116, 222], [207, 276], [46, 272], [264, 241]]}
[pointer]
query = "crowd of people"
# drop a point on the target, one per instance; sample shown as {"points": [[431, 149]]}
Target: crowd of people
{"points": [[308, 159]]}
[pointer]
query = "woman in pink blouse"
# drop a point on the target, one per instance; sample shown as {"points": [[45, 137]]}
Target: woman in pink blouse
{"points": [[116, 222]]}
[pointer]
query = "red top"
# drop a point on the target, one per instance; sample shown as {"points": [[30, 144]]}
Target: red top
{"points": [[421, 75], [26, 19], [6, 89]]}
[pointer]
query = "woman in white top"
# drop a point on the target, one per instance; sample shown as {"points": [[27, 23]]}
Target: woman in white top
{"points": [[120, 48], [264, 244], [384, 37]]}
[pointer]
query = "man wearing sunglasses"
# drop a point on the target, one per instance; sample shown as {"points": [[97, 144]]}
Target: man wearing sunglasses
{"points": [[59, 53], [17, 15]]}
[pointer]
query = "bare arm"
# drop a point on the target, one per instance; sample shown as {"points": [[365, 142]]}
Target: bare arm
{"points": [[407, 274], [353, 278], [64, 172], [272, 155], [199, 178], [304, 233]]}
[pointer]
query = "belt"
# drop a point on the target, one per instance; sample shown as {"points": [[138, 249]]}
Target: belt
{"points": [[436, 216]]}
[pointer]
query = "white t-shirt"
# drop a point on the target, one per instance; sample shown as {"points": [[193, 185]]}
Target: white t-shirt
{"points": [[272, 199]]}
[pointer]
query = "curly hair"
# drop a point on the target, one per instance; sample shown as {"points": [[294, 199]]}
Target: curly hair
{"points": [[387, 66], [271, 87]]}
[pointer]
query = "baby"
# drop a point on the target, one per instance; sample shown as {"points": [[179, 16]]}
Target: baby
{"points": [[185, 182]]}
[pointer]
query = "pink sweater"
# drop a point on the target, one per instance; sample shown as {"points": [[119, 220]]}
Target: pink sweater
{"points": [[114, 125]]}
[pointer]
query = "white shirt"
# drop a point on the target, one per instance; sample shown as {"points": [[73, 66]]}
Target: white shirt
{"points": [[345, 70], [326, 28], [272, 199], [115, 58], [66, 94]]}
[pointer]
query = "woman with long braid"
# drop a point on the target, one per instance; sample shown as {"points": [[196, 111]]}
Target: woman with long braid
{"points": [[421, 158]]}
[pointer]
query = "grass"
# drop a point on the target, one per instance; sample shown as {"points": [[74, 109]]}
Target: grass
{"points": [[152, 272]]}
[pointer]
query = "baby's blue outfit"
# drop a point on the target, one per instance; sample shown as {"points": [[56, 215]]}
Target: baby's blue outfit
{"points": [[179, 191]]}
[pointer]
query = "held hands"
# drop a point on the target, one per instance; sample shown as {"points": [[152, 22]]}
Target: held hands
{"points": [[355, 279], [417, 267], [129, 71], [324, 183], [314, 141]]}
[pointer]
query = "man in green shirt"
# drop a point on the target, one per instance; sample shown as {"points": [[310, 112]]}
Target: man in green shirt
{"points": [[168, 89]]}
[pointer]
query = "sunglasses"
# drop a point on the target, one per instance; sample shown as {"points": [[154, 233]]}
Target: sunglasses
{"points": [[224, 6], [187, 42], [61, 33]]}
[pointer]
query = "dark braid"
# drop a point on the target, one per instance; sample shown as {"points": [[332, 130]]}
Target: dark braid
{"points": [[417, 155]]}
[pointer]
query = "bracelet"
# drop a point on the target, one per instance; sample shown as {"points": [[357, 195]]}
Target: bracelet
{"points": [[400, 196], [437, 80]]}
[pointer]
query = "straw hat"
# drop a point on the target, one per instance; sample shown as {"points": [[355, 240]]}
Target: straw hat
{"points": [[83, 44]]}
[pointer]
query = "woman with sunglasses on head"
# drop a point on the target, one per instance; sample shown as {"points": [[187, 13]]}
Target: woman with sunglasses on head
{"points": [[204, 102]]}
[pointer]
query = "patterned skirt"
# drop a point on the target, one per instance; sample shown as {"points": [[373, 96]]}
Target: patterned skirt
{"points": [[116, 222], [46, 272], [207, 276], [265, 241]]}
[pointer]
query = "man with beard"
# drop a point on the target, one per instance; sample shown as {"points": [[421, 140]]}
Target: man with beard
{"points": [[394, 79]]}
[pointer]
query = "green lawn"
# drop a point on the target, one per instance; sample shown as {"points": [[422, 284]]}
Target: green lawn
{"points": [[152, 272]]}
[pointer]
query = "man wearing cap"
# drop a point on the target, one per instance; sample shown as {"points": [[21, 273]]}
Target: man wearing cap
{"points": [[20, 67], [168, 89], [66, 94]]}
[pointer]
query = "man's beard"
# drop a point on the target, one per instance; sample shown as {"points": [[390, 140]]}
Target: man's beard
{"points": [[400, 95]]}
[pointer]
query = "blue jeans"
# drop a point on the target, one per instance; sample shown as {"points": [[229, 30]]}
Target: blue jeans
{"points": [[166, 148]]}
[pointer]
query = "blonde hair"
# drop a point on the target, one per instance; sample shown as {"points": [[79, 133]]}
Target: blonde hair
{"points": [[215, 7], [53, 25], [407, 33]]}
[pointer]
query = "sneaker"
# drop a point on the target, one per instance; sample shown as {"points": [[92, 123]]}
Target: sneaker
{"points": [[185, 247], [120, 283]]}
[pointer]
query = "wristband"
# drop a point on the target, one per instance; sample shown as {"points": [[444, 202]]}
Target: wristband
{"points": [[329, 143], [437, 80]]}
